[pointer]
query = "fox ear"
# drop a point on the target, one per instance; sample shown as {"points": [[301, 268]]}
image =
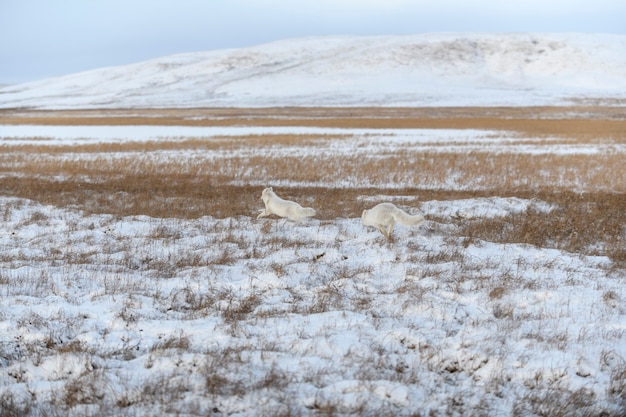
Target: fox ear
{"points": [[270, 188]]}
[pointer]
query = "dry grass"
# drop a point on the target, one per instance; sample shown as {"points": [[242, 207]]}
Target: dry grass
{"points": [[223, 177], [579, 224], [572, 119]]}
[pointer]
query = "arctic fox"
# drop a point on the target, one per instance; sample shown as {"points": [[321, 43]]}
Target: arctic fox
{"points": [[384, 217], [283, 208]]}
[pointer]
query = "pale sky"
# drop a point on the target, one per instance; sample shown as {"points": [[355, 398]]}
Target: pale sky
{"points": [[45, 38]]}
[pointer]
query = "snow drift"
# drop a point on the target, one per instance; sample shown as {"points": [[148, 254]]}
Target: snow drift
{"points": [[416, 70]]}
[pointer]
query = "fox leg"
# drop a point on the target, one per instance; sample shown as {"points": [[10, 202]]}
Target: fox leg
{"points": [[384, 231], [381, 229], [389, 230], [263, 213]]}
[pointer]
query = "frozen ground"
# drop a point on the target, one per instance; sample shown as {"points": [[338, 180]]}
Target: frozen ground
{"points": [[449, 69], [133, 315], [137, 315], [329, 147]]}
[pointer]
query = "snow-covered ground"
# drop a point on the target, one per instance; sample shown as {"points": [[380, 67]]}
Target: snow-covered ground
{"points": [[416, 70], [235, 316], [133, 315], [355, 140], [332, 147]]}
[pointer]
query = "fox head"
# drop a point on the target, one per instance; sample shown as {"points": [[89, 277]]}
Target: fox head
{"points": [[265, 195]]}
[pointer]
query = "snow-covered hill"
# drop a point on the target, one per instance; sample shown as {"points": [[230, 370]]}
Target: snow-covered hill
{"points": [[426, 69]]}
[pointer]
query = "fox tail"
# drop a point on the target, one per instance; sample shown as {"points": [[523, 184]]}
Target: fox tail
{"points": [[408, 219]]}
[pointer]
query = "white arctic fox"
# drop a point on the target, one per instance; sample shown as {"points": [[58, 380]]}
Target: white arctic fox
{"points": [[283, 208], [384, 217]]}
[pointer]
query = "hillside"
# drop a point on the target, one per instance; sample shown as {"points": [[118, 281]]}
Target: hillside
{"points": [[416, 70]]}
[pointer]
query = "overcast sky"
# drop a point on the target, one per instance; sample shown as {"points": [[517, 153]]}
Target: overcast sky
{"points": [[44, 38]]}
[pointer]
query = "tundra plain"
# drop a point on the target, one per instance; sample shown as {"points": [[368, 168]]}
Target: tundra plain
{"points": [[136, 280]]}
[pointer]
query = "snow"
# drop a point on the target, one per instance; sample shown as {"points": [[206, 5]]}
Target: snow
{"points": [[346, 320], [414, 70], [239, 316], [446, 140]]}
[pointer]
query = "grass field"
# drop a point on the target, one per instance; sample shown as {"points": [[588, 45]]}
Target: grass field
{"points": [[137, 280], [572, 157]]}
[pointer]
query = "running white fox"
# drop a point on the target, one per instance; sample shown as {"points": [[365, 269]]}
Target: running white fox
{"points": [[385, 216], [283, 208]]}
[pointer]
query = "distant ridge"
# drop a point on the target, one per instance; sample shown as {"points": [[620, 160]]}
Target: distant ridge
{"points": [[416, 70]]}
